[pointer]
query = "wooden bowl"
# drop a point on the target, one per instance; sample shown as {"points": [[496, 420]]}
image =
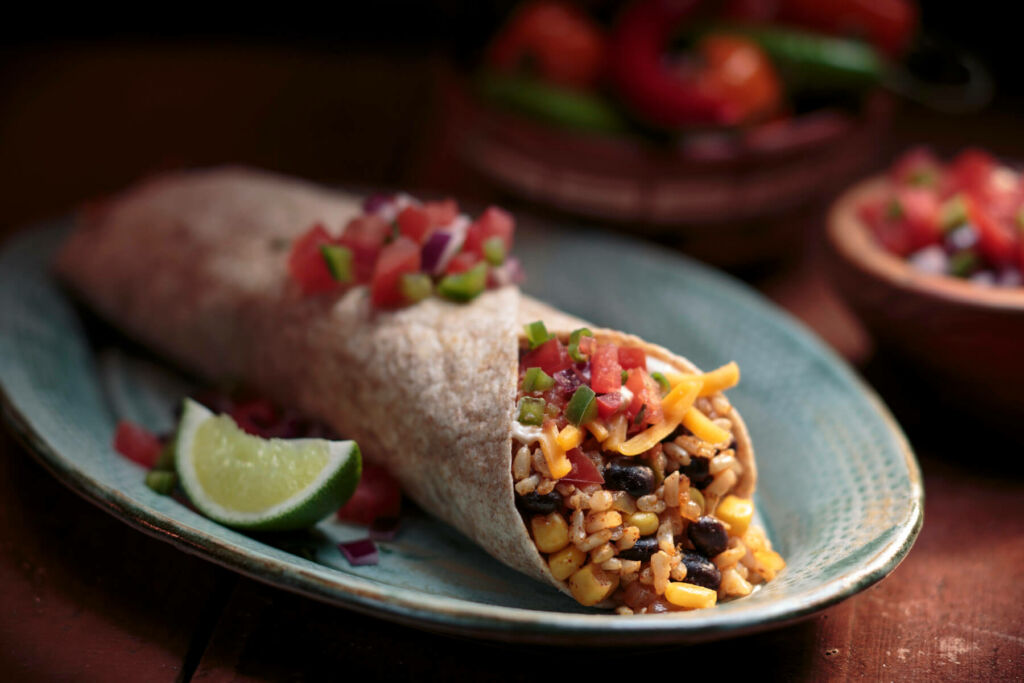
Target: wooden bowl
{"points": [[729, 197], [968, 338]]}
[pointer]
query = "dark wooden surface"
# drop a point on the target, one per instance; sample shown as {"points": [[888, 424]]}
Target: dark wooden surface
{"points": [[84, 597]]}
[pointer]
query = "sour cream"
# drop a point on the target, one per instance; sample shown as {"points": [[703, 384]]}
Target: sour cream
{"points": [[525, 434]]}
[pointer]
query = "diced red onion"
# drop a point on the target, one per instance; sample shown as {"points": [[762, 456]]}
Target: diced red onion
{"points": [[433, 248], [457, 231], [384, 529], [508, 273], [375, 202], [360, 553]]}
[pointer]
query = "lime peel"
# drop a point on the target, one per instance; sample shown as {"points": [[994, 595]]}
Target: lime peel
{"points": [[246, 482]]}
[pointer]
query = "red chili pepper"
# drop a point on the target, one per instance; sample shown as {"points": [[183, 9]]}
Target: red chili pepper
{"points": [[657, 91]]}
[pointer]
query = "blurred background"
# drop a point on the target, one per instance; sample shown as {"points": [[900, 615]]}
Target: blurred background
{"points": [[722, 129]]}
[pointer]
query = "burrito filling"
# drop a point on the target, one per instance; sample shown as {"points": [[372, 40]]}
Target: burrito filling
{"points": [[623, 471], [406, 250]]}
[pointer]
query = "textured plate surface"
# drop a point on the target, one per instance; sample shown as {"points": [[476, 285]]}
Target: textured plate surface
{"points": [[839, 490]]}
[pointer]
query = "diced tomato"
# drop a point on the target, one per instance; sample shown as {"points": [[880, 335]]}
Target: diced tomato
{"points": [[583, 469], [608, 404], [255, 416], [996, 240], [891, 232], [441, 213], [920, 213], [587, 345], [915, 167], [646, 392], [971, 171], [462, 262], [493, 222], [377, 495], [414, 223], [605, 370], [306, 264], [632, 357], [399, 257], [137, 444], [365, 236], [551, 357]]}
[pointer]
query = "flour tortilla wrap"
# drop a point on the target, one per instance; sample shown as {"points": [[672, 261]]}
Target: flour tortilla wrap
{"points": [[194, 265]]}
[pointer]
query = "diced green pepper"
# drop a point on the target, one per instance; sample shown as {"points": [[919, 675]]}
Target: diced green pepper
{"points": [[161, 481], [536, 379], [923, 177], [537, 334], [494, 251], [531, 410], [464, 286], [339, 261], [582, 406], [574, 344], [963, 263], [166, 460], [662, 381], [625, 376], [415, 286], [894, 210], [953, 213]]}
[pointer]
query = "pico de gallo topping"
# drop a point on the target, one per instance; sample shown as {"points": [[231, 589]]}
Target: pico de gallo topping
{"points": [[406, 250], [624, 468], [963, 219]]}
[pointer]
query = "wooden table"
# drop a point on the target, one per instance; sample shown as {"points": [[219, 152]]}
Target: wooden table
{"points": [[84, 597]]}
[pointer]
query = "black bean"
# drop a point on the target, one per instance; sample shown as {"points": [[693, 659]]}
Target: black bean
{"points": [[701, 571], [626, 474], [697, 471], [641, 550], [708, 536], [543, 504]]}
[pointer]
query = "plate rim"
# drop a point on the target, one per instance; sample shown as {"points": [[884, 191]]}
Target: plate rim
{"points": [[460, 616]]}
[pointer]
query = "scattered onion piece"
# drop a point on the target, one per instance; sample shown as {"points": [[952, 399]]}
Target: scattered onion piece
{"points": [[360, 553]]}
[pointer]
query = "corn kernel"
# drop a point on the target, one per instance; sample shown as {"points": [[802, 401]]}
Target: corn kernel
{"points": [[570, 437], [736, 512], [550, 532], [769, 559], [565, 562], [646, 522], [591, 585], [690, 596]]}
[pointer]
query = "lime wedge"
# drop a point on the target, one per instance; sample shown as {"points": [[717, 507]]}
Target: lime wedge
{"points": [[246, 482]]}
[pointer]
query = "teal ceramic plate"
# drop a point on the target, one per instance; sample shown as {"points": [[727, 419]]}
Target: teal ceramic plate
{"points": [[839, 490]]}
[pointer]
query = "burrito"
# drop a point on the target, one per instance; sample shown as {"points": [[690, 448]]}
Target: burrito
{"points": [[593, 461]]}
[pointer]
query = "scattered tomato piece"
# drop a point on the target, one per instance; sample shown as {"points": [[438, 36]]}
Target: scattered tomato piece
{"points": [[377, 495], [137, 444], [399, 257]]}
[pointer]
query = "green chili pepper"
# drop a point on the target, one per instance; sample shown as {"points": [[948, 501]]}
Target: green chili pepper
{"points": [[625, 376], [464, 286], [536, 379], [812, 61], [161, 481], [531, 411], [339, 261], [415, 286], [562, 106], [582, 406], [494, 251], [574, 344], [663, 381], [537, 334]]}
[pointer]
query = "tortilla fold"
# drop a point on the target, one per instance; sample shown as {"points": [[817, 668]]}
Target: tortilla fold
{"points": [[194, 265]]}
